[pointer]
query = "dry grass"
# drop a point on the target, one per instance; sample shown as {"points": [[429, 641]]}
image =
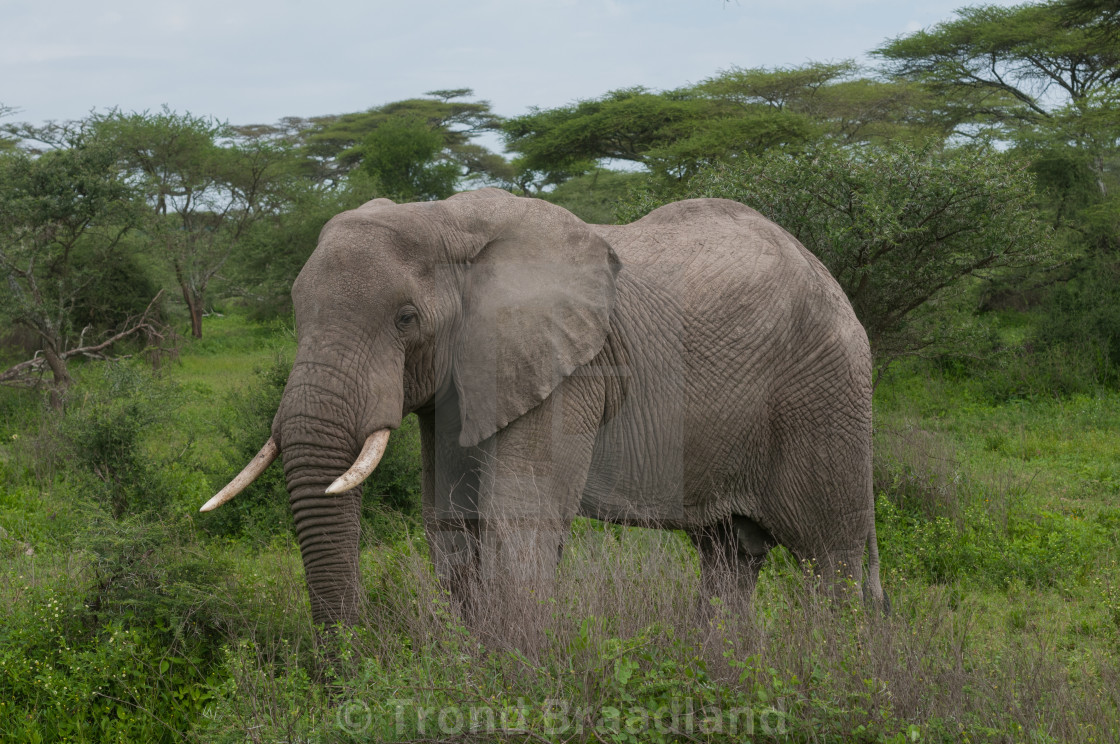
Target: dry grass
{"points": [[627, 599]]}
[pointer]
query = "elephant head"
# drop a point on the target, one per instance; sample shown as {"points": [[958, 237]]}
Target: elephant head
{"points": [[484, 301]]}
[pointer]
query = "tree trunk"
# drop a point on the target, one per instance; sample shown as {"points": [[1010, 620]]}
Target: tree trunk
{"points": [[196, 318], [61, 382], [194, 307], [193, 298]]}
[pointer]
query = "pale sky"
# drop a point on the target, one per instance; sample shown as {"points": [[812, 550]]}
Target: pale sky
{"points": [[254, 61]]}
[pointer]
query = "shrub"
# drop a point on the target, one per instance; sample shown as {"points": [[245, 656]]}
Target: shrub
{"points": [[118, 645], [938, 525], [594, 197], [100, 442], [123, 290], [1081, 322]]}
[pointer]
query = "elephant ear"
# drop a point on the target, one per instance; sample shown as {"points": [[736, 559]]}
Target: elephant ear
{"points": [[537, 301]]}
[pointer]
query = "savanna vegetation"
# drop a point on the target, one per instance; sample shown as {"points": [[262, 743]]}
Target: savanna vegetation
{"points": [[964, 192]]}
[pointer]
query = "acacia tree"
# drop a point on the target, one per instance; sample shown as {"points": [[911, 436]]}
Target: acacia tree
{"points": [[675, 133], [403, 155], [1026, 60], [556, 144], [205, 183], [63, 215], [1044, 75], [430, 136], [840, 102], [1045, 78]]}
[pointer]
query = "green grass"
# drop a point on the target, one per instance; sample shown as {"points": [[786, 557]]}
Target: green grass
{"points": [[999, 532], [1038, 480]]}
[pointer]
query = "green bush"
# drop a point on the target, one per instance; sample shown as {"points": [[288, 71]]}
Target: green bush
{"points": [[594, 197], [118, 646], [1054, 370], [939, 526], [123, 290], [104, 437], [1081, 321]]}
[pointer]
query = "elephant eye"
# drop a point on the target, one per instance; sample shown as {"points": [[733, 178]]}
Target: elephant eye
{"points": [[406, 316]]}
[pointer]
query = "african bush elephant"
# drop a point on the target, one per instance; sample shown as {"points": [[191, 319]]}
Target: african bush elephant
{"points": [[698, 370]]}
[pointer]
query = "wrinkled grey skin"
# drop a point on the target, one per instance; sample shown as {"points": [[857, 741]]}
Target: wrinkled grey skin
{"points": [[698, 369]]}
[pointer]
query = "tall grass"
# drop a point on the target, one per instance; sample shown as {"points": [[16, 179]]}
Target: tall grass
{"points": [[625, 656]]}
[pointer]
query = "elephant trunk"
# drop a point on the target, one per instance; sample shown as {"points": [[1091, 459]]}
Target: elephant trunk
{"points": [[324, 414], [328, 529], [315, 427]]}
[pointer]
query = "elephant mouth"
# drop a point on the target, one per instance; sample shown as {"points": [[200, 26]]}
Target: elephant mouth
{"points": [[364, 465]]}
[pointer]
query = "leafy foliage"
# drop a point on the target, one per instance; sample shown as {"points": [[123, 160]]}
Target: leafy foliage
{"points": [[674, 133], [595, 197], [205, 184], [666, 131], [403, 155], [63, 215], [1009, 58], [335, 145], [102, 440], [120, 652], [835, 102], [1044, 78], [1083, 319]]}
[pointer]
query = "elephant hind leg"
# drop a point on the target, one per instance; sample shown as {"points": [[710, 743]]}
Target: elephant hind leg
{"points": [[819, 498], [839, 570], [732, 552]]}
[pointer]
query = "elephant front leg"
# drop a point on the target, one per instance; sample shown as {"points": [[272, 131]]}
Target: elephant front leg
{"points": [[449, 489], [531, 479]]}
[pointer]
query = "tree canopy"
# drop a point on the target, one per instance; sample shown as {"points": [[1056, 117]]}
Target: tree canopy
{"points": [[1043, 78], [205, 184], [1015, 65], [673, 133], [63, 215], [335, 145]]}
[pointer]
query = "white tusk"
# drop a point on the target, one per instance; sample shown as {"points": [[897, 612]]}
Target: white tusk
{"points": [[367, 461], [255, 467]]}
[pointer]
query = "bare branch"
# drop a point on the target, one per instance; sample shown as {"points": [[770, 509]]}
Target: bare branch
{"points": [[29, 373]]}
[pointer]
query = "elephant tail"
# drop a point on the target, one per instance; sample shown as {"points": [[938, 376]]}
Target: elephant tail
{"points": [[873, 588]]}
